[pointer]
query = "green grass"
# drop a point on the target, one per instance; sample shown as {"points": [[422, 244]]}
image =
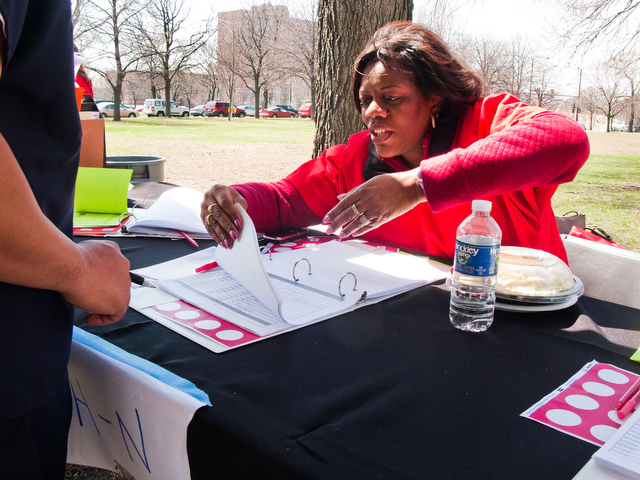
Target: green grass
{"points": [[606, 190], [214, 130]]}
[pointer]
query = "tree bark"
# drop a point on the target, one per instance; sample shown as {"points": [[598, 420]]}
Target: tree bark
{"points": [[343, 30]]}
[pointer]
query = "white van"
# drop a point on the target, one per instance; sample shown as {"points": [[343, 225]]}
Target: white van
{"points": [[155, 107]]}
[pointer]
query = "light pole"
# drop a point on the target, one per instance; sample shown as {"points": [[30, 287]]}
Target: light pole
{"points": [[233, 63], [579, 89]]}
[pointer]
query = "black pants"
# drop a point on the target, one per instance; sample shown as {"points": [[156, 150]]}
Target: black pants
{"points": [[34, 447]]}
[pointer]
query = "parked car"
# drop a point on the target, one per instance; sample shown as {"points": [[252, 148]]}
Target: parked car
{"points": [[216, 108], [155, 107], [304, 110], [197, 111], [289, 108], [106, 110], [249, 110], [275, 112]]}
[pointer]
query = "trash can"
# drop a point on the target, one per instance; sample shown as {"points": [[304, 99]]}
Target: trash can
{"points": [[146, 168]]}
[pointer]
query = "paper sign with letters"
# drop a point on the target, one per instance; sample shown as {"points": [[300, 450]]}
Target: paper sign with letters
{"points": [[124, 418]]}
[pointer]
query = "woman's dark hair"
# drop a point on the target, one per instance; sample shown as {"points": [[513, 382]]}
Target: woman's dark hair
{"points": [[420, 53], [82, 71]]}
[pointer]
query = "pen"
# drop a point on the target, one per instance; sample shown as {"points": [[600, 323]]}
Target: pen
{"points": [[188, 238], [630, 406], [207, 267], [628, 394], [140, 280]]}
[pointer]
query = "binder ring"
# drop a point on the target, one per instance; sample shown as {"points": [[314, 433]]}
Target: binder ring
{"points": [[144, 202], [266, 249], [355, 286], [123, 227], [296, 264]]}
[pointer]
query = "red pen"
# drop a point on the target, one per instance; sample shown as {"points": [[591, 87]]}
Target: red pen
{"points": [[207, 267], [633, 389], [188, 238], [630, 406]]}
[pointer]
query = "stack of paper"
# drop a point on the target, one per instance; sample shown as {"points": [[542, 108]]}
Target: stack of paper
{"points": [[177, 209], [622, 451]]}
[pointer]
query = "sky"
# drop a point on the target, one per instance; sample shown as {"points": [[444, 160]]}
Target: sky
{"points": [[500, 19], [494, 17]]}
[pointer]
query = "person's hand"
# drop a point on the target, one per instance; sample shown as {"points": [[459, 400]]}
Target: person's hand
{"points": [[220, 216], [373, 203], [103, 286]]}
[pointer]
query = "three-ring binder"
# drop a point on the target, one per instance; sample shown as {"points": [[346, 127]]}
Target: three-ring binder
{"points": [[347, 274]]}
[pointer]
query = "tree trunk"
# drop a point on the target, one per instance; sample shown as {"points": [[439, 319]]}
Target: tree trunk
{"points": [[167, 97], [117, 96], [342, 35]]}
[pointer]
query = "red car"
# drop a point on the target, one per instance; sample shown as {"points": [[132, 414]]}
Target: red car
{"points": [[276, 112], [305, 110]]}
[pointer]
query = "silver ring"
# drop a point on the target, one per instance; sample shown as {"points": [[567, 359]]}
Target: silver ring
{"points": [[355, 210], [296, 264], [355, 285], [364, 220]]}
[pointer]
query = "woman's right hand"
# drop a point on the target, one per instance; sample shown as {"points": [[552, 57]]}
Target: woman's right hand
{"points": [[220, 216]]}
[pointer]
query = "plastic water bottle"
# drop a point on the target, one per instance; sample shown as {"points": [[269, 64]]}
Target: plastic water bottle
{"points": [[475, 270]]}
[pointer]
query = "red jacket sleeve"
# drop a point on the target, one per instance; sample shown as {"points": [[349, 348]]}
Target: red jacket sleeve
{"points": [[276, 205], [546, 149]]}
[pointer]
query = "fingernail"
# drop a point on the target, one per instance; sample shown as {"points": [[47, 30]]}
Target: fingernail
{"points": [[236, 222], [233, 235], [330, 231], [342, 236], [326, 219], [228, 242]]}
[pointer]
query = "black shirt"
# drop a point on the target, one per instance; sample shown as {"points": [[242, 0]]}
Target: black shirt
{"points": [[40, 122]]}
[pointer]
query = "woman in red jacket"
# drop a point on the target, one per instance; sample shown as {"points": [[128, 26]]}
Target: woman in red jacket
{"points": [[432, 145]]}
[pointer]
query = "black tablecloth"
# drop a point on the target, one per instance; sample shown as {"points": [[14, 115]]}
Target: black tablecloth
{"points": [[389, 391]]}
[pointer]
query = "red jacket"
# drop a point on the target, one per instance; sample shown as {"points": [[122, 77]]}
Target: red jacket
{"points": [[504, 151]]}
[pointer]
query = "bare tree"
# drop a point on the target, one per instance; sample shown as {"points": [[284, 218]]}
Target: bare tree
{"points": [[515, 74], [590, 101], [610, 83], [250, 47], [302, 46], [627, 63], [542, 91], [485, 55], [208, 68], [76, 11], [439, 16], [587, 23], [341, 36], [161, 39], [110, 25]]}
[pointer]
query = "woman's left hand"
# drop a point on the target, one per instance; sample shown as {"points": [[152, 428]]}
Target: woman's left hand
{"points": [[375, 202]]}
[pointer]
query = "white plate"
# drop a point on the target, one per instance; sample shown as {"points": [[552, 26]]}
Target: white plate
{"points": [[577, 290], [510, 307]]}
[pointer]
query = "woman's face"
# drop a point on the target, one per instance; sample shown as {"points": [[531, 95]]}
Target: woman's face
{"points": [[396, 114]]}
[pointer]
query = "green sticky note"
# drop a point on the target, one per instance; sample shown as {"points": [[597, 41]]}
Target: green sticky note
{"points": [[636, 356], [102, 190]]}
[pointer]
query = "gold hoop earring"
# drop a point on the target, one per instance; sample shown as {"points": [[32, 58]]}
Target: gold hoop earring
{"points": [[434, 117]]}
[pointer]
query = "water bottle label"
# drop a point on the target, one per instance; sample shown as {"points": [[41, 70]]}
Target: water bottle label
{"points": [[477, 260]]}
